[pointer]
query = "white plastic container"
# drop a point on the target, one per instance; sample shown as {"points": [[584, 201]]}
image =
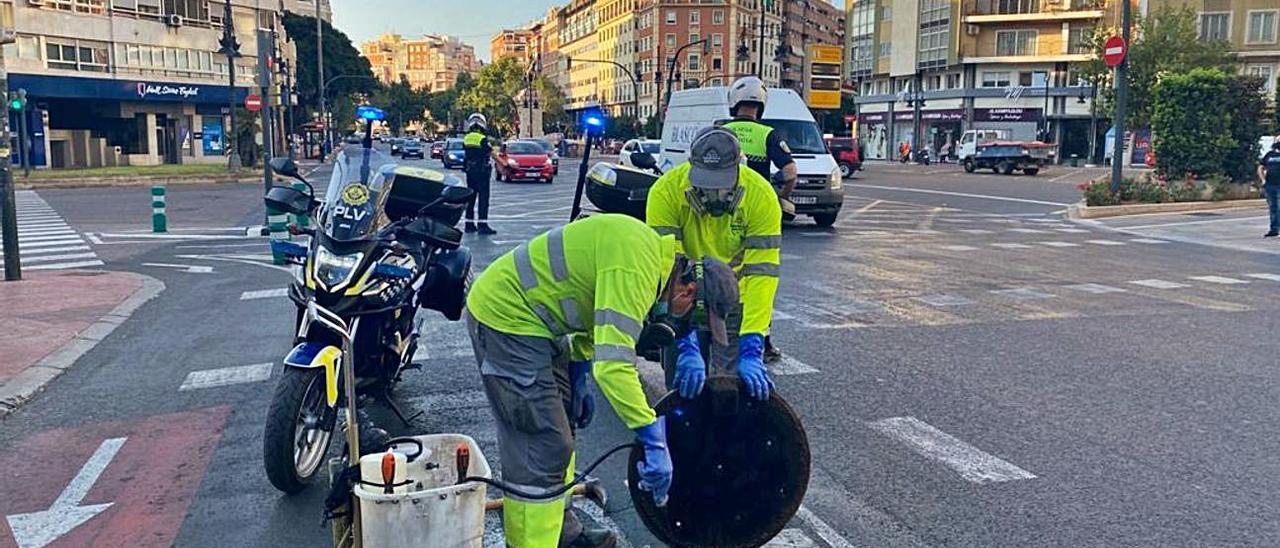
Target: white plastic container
{"points": [[433, 511]]}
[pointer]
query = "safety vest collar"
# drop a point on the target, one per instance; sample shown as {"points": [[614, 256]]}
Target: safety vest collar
{"points": [[666, 259]]}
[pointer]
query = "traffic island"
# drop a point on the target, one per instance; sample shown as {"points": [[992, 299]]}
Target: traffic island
{"points": [[50, 319], [1149, 194], [136, 176], [1080, 210]]}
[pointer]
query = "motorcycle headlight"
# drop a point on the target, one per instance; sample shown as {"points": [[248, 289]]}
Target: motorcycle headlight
{"points": [[837, 181], [333, 270]]}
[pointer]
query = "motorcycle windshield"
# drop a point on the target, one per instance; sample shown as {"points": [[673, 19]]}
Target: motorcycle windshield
{"points": [[354, 205]]}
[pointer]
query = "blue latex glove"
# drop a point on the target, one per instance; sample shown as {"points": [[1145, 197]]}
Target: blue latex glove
{"points": [[582, 405], [751, 366], [655, 470], [691, 370]]}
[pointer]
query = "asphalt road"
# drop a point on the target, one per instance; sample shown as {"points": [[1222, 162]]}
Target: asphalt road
{"points": [[971, 370]]}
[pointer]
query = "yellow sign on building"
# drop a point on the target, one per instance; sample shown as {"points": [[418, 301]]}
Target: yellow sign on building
{"points": [[822, 83]]}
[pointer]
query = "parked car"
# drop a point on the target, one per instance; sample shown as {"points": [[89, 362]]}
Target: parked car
{"points": [[412, 148], [551, 150], [453, 154], [437, 150], [396, 144], [848, 154], [648, 146], [524, 161]]}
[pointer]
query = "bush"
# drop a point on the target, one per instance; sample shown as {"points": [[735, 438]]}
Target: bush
{"points": [[1098, 193], [1247, 103], [1186, 190], [1191, 124]]}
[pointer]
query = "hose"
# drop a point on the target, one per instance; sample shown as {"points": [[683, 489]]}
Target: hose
{"points": [[511, 489]]}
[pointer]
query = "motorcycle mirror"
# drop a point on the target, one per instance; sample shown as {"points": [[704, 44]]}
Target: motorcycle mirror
{"points": [[457, 194], [285, 167], [643, 160], [289, 200]]}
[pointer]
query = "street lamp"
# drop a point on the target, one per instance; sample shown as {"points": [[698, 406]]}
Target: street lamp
{"points": [[324, 112], [230, 47], [671, 68], [635, 81]]}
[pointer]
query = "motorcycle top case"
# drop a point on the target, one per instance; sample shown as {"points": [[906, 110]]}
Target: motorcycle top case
{"points": [[741, 468], [414, 188], [619, 189]]}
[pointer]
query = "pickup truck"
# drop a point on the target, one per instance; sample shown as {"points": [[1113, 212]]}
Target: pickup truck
{"points": [[1009, 156]]}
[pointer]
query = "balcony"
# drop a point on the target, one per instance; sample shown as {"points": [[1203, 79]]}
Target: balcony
{"points": [[1023, 11]]}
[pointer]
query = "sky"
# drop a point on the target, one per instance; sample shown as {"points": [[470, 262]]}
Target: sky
{"points": [[474, 21]]}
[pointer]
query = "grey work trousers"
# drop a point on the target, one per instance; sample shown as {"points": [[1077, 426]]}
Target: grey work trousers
{"points": [[526, 380]]}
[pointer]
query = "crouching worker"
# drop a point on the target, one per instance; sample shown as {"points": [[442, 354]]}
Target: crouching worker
{"points": [[606, 282]]}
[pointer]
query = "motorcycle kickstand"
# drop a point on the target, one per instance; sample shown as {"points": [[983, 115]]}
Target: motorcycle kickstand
{"points": [[386, 398]]}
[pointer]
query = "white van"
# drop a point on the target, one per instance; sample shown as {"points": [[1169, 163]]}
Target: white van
{"points": [[819, 191], [970, 140]]}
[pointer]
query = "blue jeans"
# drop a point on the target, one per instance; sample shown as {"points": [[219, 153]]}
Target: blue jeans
{"points": [[1272, 193]]}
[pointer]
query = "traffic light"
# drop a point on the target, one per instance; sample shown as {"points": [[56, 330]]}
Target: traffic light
{"points": [[18, 101]]}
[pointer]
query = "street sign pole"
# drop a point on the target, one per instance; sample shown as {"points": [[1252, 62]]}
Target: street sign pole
{"points": [[8, 208], [266, 47], [1122, 99]]}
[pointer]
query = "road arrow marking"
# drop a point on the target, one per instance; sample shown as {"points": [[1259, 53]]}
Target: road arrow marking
{"points": [[39, 529], [188, 268]]}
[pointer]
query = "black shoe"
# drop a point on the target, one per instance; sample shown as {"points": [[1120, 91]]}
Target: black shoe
{"points": [[592, 538], [1271, 234], [471, 227], [487, 231], [771, 353]]}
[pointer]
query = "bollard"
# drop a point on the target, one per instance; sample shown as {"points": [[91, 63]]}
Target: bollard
{"points": [[159, 219], [300, 220], [277, 226]]}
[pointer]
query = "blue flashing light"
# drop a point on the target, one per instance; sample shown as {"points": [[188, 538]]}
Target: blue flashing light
{"points": [[594, 121], [370, 113]]}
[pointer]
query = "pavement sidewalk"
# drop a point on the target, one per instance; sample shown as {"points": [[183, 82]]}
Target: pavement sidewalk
{"points": [[49, 319]]}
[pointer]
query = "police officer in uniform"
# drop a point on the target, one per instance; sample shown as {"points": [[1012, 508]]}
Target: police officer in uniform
{"points": [[762, 146], [478, 163]]}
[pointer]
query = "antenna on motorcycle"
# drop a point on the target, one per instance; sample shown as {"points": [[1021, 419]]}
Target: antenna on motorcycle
{"points": [[593, 119]]}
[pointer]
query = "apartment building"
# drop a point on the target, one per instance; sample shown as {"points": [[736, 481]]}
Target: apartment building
{"points": [[579, 39], [927, 70], [517, 43], [431, 61], [131, 82], [617, 43], [1252, 27], [806, 22]]}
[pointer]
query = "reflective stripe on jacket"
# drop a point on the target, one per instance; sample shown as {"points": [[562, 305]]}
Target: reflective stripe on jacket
{"points": [[749, 239], [594, 280]]}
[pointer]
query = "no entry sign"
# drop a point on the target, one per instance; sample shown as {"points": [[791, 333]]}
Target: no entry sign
{"points": [[253, 102], [1114, 50]]}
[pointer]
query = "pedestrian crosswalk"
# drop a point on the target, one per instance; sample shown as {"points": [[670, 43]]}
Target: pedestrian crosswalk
{"points": [[45, 240]]}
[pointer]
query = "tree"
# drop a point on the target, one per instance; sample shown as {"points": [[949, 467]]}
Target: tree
{"points": [[1191, 124], [401, 103], [1164, 42], [1245, 101], [341, 58], [552, 100], [493, 94], [624, 127], [443, 104]]}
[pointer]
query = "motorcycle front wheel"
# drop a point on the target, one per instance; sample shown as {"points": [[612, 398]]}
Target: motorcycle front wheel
{"points": [[295, 441]]}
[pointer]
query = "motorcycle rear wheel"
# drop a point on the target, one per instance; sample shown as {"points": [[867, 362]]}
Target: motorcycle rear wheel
{"points": [[294, 443]]}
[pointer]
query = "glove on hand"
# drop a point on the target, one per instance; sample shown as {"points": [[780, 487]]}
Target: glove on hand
{"points": [[582, 405], [655, 470], [751, 367], [691, 370]]}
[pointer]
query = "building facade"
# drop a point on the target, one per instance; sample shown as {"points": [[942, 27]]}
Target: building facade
{"points": [[1252, 27], [131, 82], [516, 43], [431, 61], [928, 70], [617, 44]]}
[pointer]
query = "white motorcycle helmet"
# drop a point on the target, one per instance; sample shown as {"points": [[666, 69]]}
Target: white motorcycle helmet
{"points": [[477, 119], [747, 89]]}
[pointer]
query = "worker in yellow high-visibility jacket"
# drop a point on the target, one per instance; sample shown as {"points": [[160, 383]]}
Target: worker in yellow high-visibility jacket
{"points": [[718, 208], [606, 282]]}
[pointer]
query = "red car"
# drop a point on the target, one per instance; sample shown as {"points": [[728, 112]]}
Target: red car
{"points": [[437, 150], [848, 154], [524, 161]]}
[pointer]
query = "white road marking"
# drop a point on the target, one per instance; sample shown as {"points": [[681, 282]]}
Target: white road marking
{"points": [[1095, 288], [958, 248], [1072, 230], [27, 251], [66, 231], [1158, 284], [67, 257], [971, 463], [94, 237], [791, 538], [962, 195], [1029, 230], [860, 210], [825, 532], [1148, 241], [226, 376], [40, 529], [1059, 244], [816, 234], [1022, 293], [1011, 246], [1265, 276], [265, 294], [977, 231], [943, 299], [1223, 280], [25, 245], [1105, 242], [791, 366], [188, 268], [64, 266]]}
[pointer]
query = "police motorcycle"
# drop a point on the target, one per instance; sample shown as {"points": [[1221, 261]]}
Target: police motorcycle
{"points": [[384, 245]]}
